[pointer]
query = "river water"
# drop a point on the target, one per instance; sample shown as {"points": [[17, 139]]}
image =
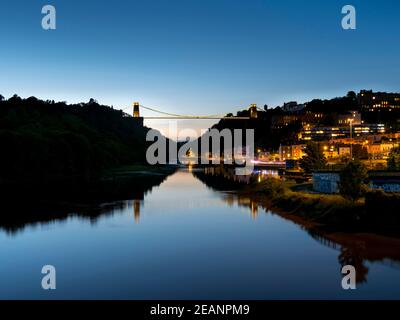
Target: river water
{"points": [[184, 240]]}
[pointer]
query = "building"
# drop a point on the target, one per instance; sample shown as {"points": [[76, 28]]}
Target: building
{"points": [[385, 180], [293, 106], [326, 182], [379, 151], [322, 133], [281, 121], [368, 129], [330, 152], [293, 152], [352, 117], [304, 118], [317, 133], [268, 156], [373, 101], [344, 152]]}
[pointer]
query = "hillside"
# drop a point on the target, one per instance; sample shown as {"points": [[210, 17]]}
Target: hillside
{"points": [[43, 142]]}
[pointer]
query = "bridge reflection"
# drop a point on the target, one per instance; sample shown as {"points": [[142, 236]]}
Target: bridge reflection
{"points": [[136, 209], [242, 201]]}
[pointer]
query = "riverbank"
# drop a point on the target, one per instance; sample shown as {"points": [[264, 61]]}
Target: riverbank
{"points": [[376, 213], [329, 210]]}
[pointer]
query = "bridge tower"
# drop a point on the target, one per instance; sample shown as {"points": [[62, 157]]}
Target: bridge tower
{"points": [[136, 112], [253, 111]]}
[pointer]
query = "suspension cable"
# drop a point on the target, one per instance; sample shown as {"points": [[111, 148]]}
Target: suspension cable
{"points": [[180, 115]]}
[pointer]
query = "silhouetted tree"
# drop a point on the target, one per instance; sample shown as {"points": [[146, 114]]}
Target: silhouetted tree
{"points": [[313, 160], [393, 161], [351, 95], [45, 141], [352, 180]]}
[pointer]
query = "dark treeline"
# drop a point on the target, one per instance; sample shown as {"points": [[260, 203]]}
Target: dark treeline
{"points": [[43, 142], [335, 105]]}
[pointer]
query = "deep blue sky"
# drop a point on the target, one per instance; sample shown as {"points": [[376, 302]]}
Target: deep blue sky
{"points": [[197, 56]]}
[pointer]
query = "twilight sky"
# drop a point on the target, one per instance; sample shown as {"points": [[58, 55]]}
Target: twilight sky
{"points": [[197, 56]]}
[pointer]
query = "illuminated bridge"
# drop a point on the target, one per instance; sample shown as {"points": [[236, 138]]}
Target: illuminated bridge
{"points": [[172, 116]]}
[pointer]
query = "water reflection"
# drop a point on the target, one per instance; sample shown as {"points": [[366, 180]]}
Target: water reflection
{"points": [[136, 209], [232, 199], [16, 216], [357, 250], [354, 249], [184, 240], [230, 174]]}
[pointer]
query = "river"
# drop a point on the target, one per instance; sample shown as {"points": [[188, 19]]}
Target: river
{"points": [[184, 240]]}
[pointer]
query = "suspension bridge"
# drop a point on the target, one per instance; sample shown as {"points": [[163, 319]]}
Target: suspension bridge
{"points": [[172, 116]]}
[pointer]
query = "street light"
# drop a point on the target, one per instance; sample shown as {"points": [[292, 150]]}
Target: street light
{"points": [[351, 137]]}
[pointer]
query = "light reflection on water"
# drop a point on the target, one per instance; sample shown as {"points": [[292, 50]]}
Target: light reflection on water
{"points": [[186, 240], [230, 174]]}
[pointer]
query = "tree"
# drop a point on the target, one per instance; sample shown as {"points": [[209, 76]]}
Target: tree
{"points": [[351, 95], [394, 159], [352, 180], [47, 141], [314, 159], [1, 98]]}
